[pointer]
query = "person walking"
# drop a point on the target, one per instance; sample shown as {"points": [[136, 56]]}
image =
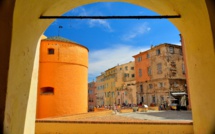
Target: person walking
{"points": [[114, 108]]}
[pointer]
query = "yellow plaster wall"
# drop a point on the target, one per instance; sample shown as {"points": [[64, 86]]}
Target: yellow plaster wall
{"points": [[6, 14], [21, 94], [195, 26], [110, 128]]}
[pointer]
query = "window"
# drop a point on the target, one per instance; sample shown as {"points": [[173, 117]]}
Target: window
{"points": [[147, 56], [118, 93], [175, 84], [140, 72], [171, 50], [126, 67], [47, 90], [108, 94], [50, 51], [150, 86], [158, 52], [161, 99], [132, 68], [159, 68], [180, 51], [133, 75], [90, 99], [160, 84], [149, 71], [120, 68], [153, 99], [142, 99], [90, 91], [141, 88], [126, 75], [183, 69], [139, 59]]}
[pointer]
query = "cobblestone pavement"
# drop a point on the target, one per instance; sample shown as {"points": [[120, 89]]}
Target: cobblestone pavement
{"points": [[140, 117]]}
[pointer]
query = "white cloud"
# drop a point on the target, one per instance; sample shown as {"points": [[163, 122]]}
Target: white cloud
{"points": [[101, 60], [136, 31], [99, 22], [78, 11], [92, 22]]}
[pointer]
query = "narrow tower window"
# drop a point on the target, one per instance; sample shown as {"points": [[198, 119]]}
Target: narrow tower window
{"points": [[47, 90], [50, 51]]}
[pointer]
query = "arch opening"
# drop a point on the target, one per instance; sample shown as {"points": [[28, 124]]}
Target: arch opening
{"points": [[75, 36], [195, 28]]}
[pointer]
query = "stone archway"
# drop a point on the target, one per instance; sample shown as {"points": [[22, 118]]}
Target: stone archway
{"points": [[22, 37]]}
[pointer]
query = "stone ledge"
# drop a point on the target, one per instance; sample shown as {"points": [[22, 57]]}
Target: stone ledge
{"points": [[117, 122], [78, 116]]}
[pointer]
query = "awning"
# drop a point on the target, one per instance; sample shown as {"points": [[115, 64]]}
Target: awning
{"points": [[171, 98], [178, 93]]}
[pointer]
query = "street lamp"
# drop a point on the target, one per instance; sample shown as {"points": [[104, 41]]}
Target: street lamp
{"points": [[60, 27]]}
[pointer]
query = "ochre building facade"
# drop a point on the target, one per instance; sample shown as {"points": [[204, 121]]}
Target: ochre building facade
{"points": [[160, 75]]}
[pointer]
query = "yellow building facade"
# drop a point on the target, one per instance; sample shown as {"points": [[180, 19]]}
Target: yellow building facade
{"points": [[106, 82], [126, 84], [117, 84], [109, 86], [99, 93]]}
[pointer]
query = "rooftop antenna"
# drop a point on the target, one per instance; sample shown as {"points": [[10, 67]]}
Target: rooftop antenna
{"points": [[59, 30]]}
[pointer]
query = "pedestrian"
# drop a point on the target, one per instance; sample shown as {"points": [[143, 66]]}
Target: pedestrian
{"points": [[114, 108]]}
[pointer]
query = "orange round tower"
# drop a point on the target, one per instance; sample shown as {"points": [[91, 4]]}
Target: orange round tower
{"points": [[63, 70]]}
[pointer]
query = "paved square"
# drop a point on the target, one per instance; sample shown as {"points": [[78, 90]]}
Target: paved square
{"points": [[160, 115], [150, 116]]}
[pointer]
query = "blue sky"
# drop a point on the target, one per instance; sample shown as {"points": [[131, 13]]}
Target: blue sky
{"points": [[113, 42]]}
